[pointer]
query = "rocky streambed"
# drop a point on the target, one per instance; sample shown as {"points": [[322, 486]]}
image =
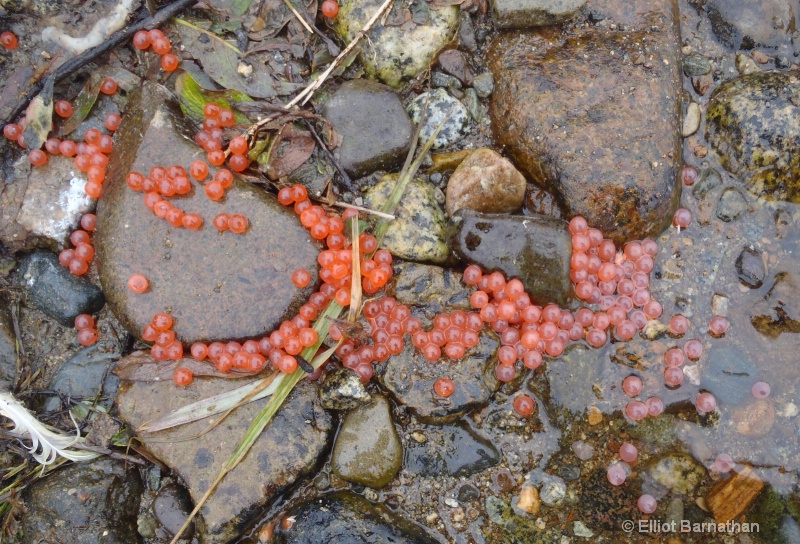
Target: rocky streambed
{"points": [[620, 112]]}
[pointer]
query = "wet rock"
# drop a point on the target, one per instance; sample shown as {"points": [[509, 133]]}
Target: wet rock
{"points": [[455, 450], [171, 507], [732, 205], [529, 500], [695, 65], [83, 375], [485, 182], [755, 419], [740, 24], [430, 289], [702, 84], [191, 273], [455, 63], [343, 390], [745, 65], [708, 180], [779, 312], [468, 493], [560, 113], [288, 448], [530, 13], [729, 375], [473, 105], [396, 53], [347, 517], [483, 84], [375, 129], [418, 231], [368, 449], [750, 268], [553, 490], [466, 33], [691, 121], [535, 249], [8, 345], [409, 377], [84, 501], [783, 220], [582, 450], [440, 104], [677, 472], [541, 202], [753, 122], [582, 530], [440, 79], [55, 291], [54, 199]]}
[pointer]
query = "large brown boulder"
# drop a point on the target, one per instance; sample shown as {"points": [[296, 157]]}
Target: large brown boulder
{"points": [[595, 117]]}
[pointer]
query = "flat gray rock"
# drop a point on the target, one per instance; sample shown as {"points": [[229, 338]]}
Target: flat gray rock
{"points": [[289, 448], [216, 285], [375, 129]]}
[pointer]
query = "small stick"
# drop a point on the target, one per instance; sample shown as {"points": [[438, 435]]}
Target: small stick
{"points": [[327, 151], [209, 34], [302, 21], [366, 210]]}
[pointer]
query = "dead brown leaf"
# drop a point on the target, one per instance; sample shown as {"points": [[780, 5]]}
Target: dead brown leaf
{"points": [[289, 155]]}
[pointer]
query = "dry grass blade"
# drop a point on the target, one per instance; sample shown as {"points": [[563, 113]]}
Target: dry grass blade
{"points": [[365, 210], [261, 386], [208, 407]]}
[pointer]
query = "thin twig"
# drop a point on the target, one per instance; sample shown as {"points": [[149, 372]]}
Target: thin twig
{"points": [[299, 18], [306, 93], [366, 210], [89, 55], [114, 454], [348, 182], [210, 35]]}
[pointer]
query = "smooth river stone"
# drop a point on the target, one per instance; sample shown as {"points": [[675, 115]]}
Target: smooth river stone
{"points": [[216, 285], [536, 249]]}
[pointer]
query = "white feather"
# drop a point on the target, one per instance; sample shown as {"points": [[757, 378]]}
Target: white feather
{"points": [[46, 444]]}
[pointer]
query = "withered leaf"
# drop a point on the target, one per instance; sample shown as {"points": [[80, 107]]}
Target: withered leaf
{"points": [[83, 105], [289, 155]]}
